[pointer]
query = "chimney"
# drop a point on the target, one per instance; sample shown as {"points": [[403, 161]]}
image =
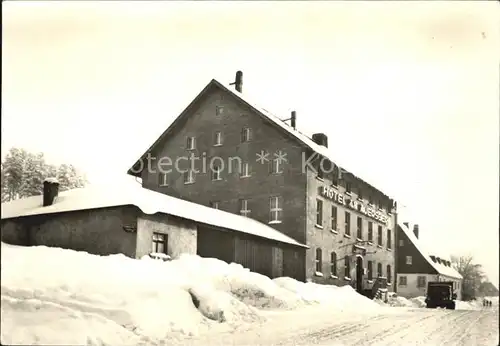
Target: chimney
{"points": [[50, 191], [415, 230], [406, 224], [238, 82], [321, 139], [293, 119]]}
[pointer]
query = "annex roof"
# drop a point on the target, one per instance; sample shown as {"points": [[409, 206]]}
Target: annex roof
{"points": [[439, 267], [301, 137], [148, 201]]}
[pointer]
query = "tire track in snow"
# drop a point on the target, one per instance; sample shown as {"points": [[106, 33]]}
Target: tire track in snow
{"points": [[332, 332], [453, 324], [395, 331], [468, 331], [422, 323]]}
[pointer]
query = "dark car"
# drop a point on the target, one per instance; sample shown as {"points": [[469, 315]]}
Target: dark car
{"points": [[440, 294]]}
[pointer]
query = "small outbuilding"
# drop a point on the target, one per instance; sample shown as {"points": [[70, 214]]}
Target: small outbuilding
{"points": [[135, 221]]}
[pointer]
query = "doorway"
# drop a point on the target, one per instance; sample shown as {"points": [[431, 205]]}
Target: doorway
{"points": [[359, 274]]}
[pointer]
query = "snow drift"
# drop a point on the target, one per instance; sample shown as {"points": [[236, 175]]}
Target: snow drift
{"points": [[419, 302], [55, 296]]}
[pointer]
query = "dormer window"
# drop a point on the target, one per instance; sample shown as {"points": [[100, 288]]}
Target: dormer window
{"points": [[360, 193], [347, 187]]}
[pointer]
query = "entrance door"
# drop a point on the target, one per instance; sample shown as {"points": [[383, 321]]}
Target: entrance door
{"points": [[359, 274]]}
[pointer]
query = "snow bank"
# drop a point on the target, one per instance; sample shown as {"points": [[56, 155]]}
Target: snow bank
{"points": [[419, 302], [56, 296], [341, 298]]}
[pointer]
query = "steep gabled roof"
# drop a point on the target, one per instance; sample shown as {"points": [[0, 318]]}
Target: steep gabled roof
{"points": [[440, 268], [148, 201], [266, 115]]}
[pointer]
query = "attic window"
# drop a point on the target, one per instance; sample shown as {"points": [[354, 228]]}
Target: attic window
{"points": [[246, 134], [190, 143], [219, 110], [163, 179], [218, 138], [347, 187]]}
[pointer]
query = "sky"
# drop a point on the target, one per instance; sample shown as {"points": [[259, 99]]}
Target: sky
{"points": [[407, 92]]}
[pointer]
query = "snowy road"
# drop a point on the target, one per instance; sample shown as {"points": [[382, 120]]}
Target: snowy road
{"points": [[395, 326]]}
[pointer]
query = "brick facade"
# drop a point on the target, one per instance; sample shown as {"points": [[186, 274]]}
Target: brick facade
{"points": [[329, 240], [297, 186], [202, 123]]}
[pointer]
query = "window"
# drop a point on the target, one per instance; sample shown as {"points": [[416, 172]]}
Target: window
{"points": [[214, 204], [408, 260], [333, 264], [276, 166], [370, 270], [216, 172], [219, 110], [402, 281], [389, 273], [318, 260], [335, 176], [370, 231], [360, 193], [347, 187], [401, 242], [421, 281], [163, 177], [244, 170], [379, 269], [319, 212], [347, 267], [189, 177], [244, 207], [379, 238], [160, 243], [246, 135], [218, 138], [324, 166], [359, 234], [347, 223], [190, 143], [320, 174], [275, 209], [334, 219], [389, 239]]}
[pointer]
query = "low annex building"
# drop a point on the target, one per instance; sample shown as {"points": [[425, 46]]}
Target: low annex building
{"points": [[416, 267], [134, 221]]}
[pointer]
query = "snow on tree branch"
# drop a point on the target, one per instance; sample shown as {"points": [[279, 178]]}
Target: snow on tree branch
{"points": [[23, 174]]}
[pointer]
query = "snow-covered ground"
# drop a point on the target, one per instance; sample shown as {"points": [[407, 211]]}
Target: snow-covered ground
{"points": [[419, 302], [52, 296], [55, 296]]}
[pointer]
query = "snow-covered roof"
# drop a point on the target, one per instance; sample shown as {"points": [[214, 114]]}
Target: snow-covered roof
{"points": [[150, 202], [439, 267], [301, 137]]}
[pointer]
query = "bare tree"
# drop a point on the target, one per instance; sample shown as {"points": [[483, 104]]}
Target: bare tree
{"points": [[472, 274]]}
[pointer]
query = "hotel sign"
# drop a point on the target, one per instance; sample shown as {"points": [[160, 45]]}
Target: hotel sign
{"points": [[334, 195]]}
